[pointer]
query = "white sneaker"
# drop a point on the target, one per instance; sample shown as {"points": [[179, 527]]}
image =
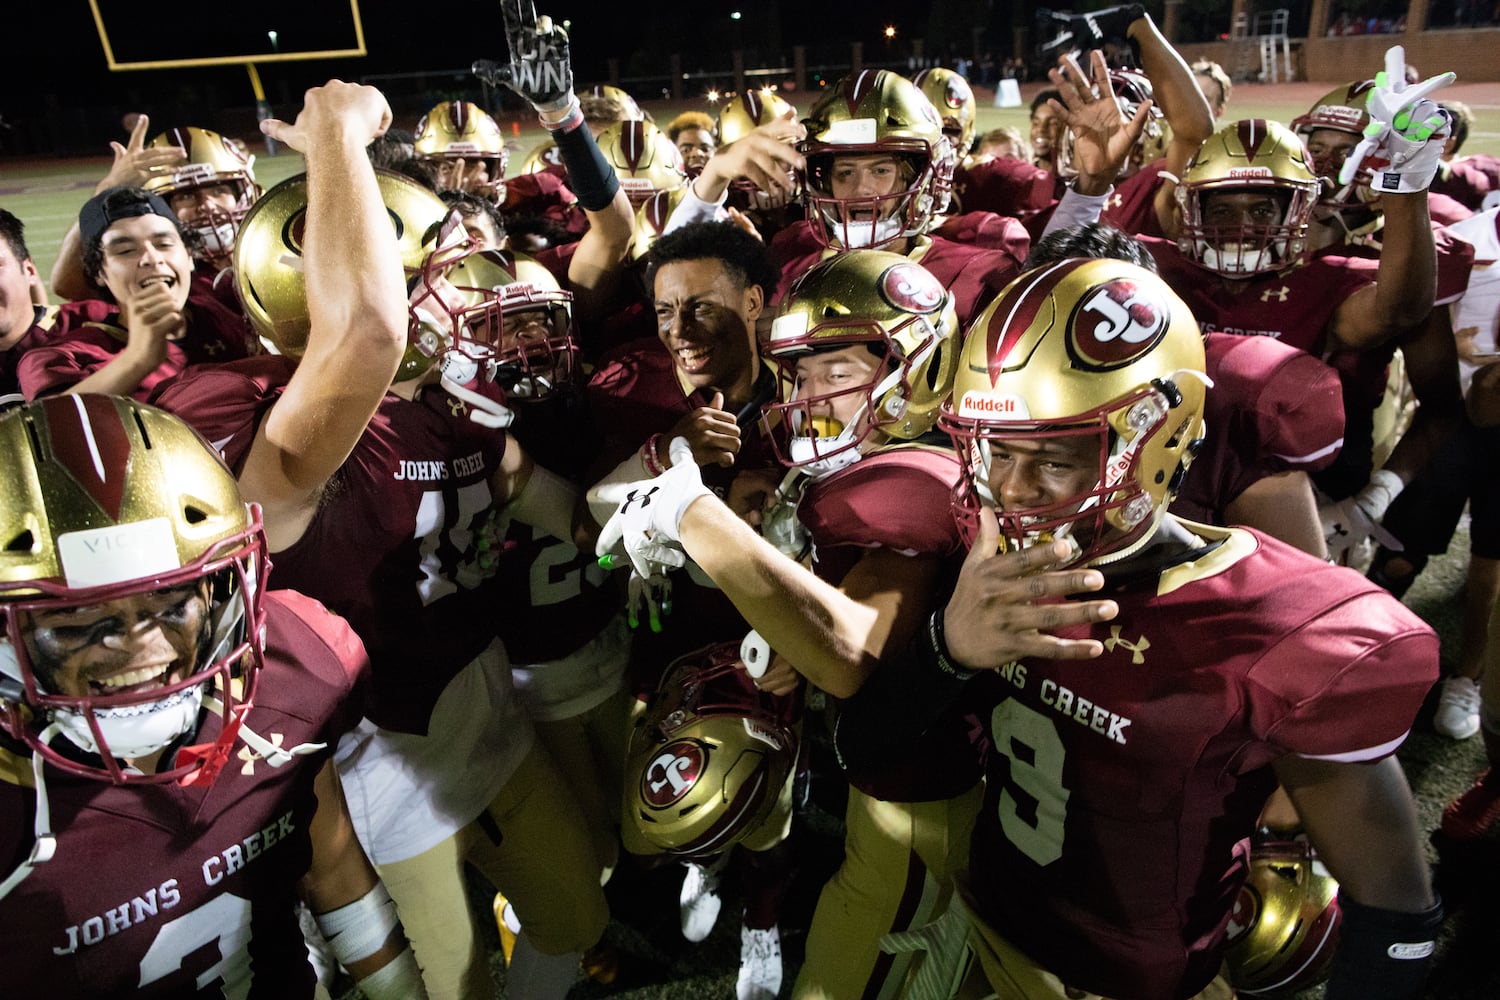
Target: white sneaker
{"points": [[1458, 709], [760, 964], [699, 901]]}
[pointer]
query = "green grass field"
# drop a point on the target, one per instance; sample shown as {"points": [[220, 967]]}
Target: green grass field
{"points": [[46, 195]]}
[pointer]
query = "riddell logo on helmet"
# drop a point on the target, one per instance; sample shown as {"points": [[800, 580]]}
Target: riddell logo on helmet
{"points": [[672, 773], [1337, 116], [1248, 172], [983, 404]]}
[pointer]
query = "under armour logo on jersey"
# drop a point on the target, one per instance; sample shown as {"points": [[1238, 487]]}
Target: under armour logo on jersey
{"points": [[644, 496], [250, 756], [457, 407], [1279, 294], [1137, 648], [212, 350], [1115, 200]]}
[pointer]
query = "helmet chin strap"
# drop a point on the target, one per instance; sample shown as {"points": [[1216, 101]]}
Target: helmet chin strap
{"points": [[457, 371]]}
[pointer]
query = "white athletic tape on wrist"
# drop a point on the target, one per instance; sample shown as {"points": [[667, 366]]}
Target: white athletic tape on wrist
{"points": [[359, 929]]}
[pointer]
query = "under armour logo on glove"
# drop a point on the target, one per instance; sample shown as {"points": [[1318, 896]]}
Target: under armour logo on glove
{"points": [[641, 496]]}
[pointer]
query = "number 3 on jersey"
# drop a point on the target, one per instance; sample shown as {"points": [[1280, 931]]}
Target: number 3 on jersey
{"points": [[1029, 741]]}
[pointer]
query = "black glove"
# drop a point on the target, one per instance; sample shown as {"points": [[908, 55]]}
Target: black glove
{"points": [[539, 68], [1057, 32]]}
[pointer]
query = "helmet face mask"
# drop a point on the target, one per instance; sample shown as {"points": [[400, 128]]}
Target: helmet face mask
{"points": [[77, 703], [211, 191], [865, 118], [1249, 160], [901, 320], [1092, 366], [516, 327]]}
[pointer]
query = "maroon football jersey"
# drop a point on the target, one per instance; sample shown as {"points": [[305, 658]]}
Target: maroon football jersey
{"points": [[1469, 179], [1131, 207], [172, 891], [1003, 185], [1294, 306], [87, 337], [1272, 409], [10, 358], [975, 275], [900, 498], [987, 231], [395, 544], [1119, 789]]}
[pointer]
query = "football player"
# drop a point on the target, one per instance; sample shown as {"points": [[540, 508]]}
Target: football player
{"points": [[702, 380], [696, 138], [20, 318], [158, 318], [1137, 730], [1472, 180], [1245, 203], [445, 768], [1423, 517], [463, 146], [157, 705], [868, 343], [211, 190]]}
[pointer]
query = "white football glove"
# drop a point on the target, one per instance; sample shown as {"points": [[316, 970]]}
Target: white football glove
{"points": [[644, 529], [1403, 143], [1347, 523]]}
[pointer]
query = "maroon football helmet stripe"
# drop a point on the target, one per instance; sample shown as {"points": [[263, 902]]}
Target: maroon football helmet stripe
{"points": [[82, 431], [1252, 133], [1005, 330]]}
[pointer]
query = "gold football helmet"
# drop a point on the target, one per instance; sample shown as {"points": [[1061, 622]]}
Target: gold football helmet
{"points": [[954, 100], [105, 498], [1343, 112], [738, 118], [707, 760], [903, 315], [268, 264], [749, 110], [1285, 924], [866, 114], [517, 329], [1249, 155], [630, 111], [457, 130], [645, 160], [651, 220], [1077, 347], [543, 156], [1131, 88], [211, 160]]}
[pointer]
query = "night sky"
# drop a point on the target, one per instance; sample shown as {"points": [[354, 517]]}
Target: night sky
{"points": [[447, 34]]}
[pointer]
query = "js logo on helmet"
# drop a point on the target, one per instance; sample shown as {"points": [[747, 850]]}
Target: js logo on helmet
{"points": [[672, 773], [1114, 324], [911, 288]]}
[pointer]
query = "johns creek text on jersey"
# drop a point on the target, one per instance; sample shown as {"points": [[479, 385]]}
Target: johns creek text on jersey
{"points": [[165, 896]]}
